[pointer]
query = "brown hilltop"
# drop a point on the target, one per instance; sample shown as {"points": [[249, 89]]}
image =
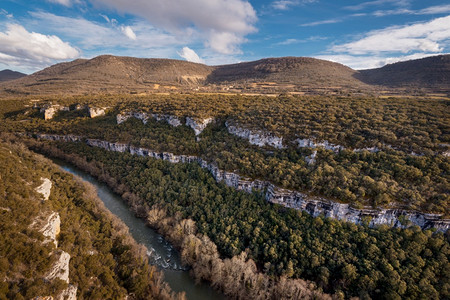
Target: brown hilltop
{"points": [[292, 70], [112, 74], [107, 73], [430, 72], [7, 75]]}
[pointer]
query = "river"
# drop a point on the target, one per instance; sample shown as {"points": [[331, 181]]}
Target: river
{"points": [[161, 253]]}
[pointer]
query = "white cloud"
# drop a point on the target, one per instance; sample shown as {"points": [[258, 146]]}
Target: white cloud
{"points": [[438, 9], [316, 23], [297, 41], [223, 24], [364, 5], [287, 4], [128, 32], [18, 46], [91, 35], [190, 55], [432, 36], [284, 4], [62, 2]]}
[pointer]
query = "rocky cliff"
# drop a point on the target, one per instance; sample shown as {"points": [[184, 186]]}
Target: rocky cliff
{"points": [[50, 227], [45, 188], [293, 199], [255, 137], [96, 111], [198, 125]]}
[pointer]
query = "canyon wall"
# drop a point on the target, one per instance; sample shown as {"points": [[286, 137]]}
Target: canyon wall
{"points": [[293, 199]]}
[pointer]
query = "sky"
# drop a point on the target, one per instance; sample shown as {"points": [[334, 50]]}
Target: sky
{"points": [[360, 34]]}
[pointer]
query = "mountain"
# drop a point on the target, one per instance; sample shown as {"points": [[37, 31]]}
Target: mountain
{"points": [[430, 72], [115, 74], [107, 73], [7, 75], [303, 71]]}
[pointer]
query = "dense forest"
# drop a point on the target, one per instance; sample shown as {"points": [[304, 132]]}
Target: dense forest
{"points": [[343, 258], [105, 262], [234, 228], [390, 177]]}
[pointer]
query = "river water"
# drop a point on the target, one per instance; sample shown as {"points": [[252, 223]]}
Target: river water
{"points": [[161, 253]]}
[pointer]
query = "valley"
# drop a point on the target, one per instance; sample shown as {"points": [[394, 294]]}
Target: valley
{"points": [[282, 178]]}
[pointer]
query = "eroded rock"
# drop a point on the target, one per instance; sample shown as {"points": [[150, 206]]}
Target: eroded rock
{"points": [[45, 188], [259, 138], [198, 125], [60, 269]]}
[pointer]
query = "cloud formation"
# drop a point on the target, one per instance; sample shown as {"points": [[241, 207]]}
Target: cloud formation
{"points": [[222, 23], [430, 37], [92, 35], [62, 2], [128, 32], [17, 45], [190, 55]]}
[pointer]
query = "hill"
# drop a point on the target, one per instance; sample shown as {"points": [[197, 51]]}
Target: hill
{"points": [[107, 73], [430, 72], [7, 75], [115, 74], [294, 72]]}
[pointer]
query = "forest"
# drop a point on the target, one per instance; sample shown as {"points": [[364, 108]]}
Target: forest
{"points": [[341, 258], [105, 262], [241, 231], [391, 177]]}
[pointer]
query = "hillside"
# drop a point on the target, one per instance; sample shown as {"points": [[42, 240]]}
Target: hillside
{"points": [[7, 75], [430, 72], [114, 74], [108, 73], [293, 72]]}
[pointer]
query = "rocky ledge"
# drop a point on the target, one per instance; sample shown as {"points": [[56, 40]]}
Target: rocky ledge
{"points": [[255, 137], [198, 125], [314, 205]]}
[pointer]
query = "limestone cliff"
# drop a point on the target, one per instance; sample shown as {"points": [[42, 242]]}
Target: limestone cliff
{"points": [[255, 137], [294, 199], [96, 111], [198, 125], [60, 269], [45, 188]]}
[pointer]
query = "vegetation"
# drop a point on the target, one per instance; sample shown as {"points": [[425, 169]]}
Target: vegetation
{"points": [[105, 262], [340, 257], [387, 178]]}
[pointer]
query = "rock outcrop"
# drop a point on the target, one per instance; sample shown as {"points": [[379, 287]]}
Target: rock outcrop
{"points": [[307, 143], [50, 110], [293, 199], [45, 188], [52, 227], [198, 125], [60, 269], [96, 111], [172, 120], [259, 138], [68, 294]]}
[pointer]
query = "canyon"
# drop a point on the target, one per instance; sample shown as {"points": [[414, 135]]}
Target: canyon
{"points": [[315, 206]]}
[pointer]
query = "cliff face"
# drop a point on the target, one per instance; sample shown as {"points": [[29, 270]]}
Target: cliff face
{"points": [[293, 199], [197, 125], [96, 112], [45, 188], [50, 227], [258, 138]]}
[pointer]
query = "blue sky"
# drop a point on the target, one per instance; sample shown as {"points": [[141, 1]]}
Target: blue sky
{"points": [[360, 34]]}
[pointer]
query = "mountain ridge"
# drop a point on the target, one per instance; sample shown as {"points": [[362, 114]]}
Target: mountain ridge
{"points": [[6, 75], [108, 73]]}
